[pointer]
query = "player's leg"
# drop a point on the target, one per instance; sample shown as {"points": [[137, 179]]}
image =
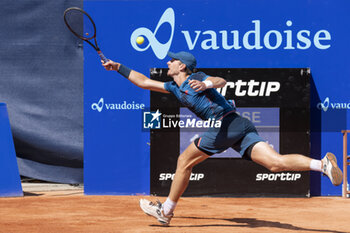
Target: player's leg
{"points": [[186, 161], [266, 156]]}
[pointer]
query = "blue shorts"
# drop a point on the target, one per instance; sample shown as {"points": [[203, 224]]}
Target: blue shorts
{"points": [[236, 132]]}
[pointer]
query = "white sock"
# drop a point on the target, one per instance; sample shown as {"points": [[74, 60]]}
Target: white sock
{"points": [[316, 165], [169, 206]]}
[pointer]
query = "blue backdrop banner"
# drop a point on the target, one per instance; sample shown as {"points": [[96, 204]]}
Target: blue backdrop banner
{"points": [[221, 34]]}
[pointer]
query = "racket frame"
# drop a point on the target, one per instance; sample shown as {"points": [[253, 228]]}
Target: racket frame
{"points": [[86, 39]]}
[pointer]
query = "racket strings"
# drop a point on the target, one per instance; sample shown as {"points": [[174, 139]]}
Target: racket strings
{"points": [[80, 24]]}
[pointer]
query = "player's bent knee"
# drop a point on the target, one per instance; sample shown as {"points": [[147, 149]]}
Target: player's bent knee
{"points": [[183, 164]]}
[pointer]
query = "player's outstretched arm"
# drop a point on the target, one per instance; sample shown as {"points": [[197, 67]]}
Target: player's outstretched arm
{"points": [[135, 77], [210, 82]]}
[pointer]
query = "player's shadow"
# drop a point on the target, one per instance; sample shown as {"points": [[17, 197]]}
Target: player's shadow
{"points": [[28, 194], [251, 223]]}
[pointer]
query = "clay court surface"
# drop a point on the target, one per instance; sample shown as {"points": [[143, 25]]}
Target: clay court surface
{"points": [[71, 211]]}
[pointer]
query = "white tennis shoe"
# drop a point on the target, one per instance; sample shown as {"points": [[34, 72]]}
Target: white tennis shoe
{"points": [[331, 169], [155, 210]]}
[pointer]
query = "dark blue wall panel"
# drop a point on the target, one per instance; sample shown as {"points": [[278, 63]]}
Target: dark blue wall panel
{"points": [[10, 183]]}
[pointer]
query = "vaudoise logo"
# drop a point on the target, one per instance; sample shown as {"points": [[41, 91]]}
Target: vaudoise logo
{"points": [[159, 49], [327, 104], [124, 105], [286, 37]]}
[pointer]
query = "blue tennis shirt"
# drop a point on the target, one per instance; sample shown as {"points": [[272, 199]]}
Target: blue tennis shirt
{"points": [[207, 104]]}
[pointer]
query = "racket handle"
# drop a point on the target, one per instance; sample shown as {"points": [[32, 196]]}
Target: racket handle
{"points": [[103, 58]]}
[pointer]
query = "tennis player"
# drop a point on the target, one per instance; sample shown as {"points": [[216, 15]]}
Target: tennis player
{"points": [[196, 90]]}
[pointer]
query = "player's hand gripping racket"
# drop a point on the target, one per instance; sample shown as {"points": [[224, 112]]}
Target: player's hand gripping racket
{"points": [[74, 18]]}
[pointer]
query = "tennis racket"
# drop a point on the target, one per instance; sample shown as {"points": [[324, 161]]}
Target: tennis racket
{"points": [[74, 18]]}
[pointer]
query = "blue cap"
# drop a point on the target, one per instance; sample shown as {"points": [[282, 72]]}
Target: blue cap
{"points": [[185, 57]]}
